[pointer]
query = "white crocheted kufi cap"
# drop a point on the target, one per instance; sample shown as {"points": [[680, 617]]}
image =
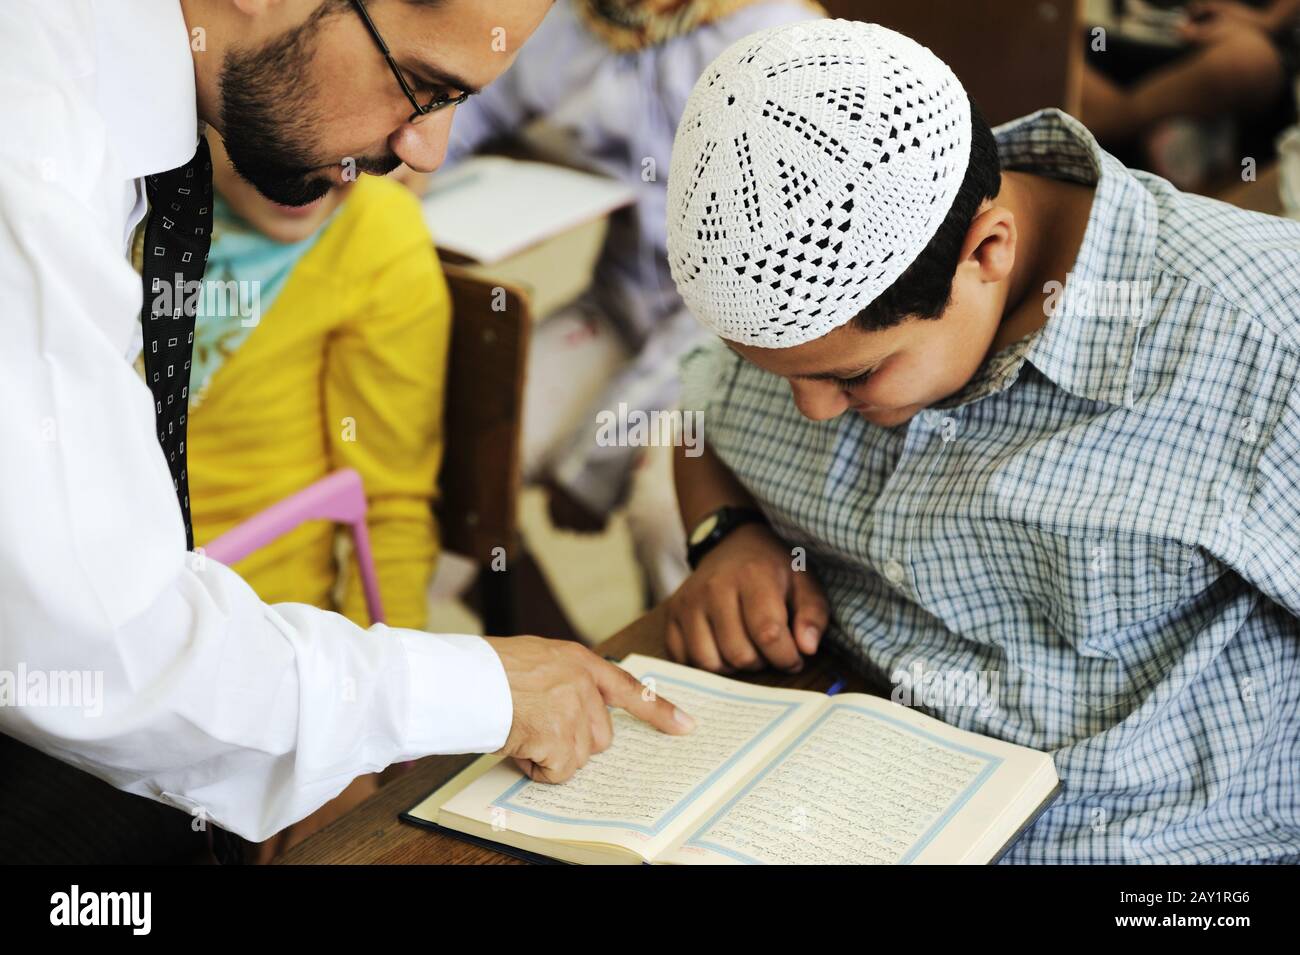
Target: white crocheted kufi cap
{"points": [[812, 165]]}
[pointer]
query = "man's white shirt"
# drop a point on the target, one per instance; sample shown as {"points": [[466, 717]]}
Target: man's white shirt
{"points": [[247, 714]]}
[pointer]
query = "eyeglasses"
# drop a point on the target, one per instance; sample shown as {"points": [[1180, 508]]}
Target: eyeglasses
{"points": [[439, 100]]}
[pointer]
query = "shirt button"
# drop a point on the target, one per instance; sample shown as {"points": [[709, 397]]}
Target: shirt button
{"points": [[895, 573]]}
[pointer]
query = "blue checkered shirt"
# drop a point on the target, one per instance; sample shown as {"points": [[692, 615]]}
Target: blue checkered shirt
{"points": [[1106, 518]]}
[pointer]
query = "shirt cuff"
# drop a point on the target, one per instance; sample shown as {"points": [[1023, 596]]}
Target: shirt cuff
{"points": [[459, 697]]}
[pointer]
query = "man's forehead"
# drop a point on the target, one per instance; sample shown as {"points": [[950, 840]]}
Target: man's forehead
{"points": [[466, 44], [491, 22]]}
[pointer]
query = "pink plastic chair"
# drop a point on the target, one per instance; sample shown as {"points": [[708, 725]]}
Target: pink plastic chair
{"points": [[340, 498]]}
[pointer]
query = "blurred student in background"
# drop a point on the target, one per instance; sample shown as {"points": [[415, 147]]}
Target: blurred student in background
{"points": [[336, 357], [1183, 88], [605, 82]]}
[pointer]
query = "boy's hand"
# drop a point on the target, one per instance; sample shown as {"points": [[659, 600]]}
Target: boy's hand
{"points": [[561, 691], [745, 606]]}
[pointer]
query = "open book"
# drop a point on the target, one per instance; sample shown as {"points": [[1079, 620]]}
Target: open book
{"points": [[768, 776], [489, 208]]}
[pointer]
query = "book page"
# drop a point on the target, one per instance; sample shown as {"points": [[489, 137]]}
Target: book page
{"points": [[644, 786], [490, 207], [866, 782]]}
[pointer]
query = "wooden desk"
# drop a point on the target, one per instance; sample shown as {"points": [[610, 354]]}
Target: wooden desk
{"points": [[372, 832]]}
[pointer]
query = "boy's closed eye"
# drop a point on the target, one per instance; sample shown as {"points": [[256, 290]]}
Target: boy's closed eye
{"points": [[841, 380], [849, 383]]}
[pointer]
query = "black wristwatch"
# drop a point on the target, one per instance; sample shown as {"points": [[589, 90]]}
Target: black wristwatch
{"points": [[710, 532]]}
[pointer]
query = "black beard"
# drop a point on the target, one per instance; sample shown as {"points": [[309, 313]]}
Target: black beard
{"points": [[267, 120]]}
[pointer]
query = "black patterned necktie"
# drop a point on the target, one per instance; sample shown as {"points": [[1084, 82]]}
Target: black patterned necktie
{"points": [[176, 239]]}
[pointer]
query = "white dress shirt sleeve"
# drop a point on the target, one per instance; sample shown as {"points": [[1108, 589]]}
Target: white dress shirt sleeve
{"points": [[192, 690]]}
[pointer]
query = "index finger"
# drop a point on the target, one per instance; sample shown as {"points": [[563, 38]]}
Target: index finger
{"points": [[622, 689]]}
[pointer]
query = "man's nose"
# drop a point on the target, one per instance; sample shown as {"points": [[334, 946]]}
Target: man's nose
{"points": [[423, 145], [819, 400]]}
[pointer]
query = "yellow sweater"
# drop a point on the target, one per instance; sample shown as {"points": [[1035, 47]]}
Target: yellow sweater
{"points": [[346, 369]]}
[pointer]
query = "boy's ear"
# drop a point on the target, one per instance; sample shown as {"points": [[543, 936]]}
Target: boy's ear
{"points": [[990, 243]]}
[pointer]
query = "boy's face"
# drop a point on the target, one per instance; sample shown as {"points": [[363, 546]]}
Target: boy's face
{"points": [[888, 376]]}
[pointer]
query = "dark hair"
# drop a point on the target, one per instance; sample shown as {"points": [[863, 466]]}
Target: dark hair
{"points": [[925, 286]]}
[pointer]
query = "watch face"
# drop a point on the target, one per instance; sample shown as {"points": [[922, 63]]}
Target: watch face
{"points": [[704, 528]]}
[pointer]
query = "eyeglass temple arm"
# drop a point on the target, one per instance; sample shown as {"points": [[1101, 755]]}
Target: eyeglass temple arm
{"points": [[388, 56]]}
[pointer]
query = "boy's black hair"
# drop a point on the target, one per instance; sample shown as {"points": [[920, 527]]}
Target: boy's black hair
{"points": [[923, 290]]}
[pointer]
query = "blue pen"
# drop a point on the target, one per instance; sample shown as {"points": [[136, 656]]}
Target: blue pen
{"points": [[836, 687]]}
